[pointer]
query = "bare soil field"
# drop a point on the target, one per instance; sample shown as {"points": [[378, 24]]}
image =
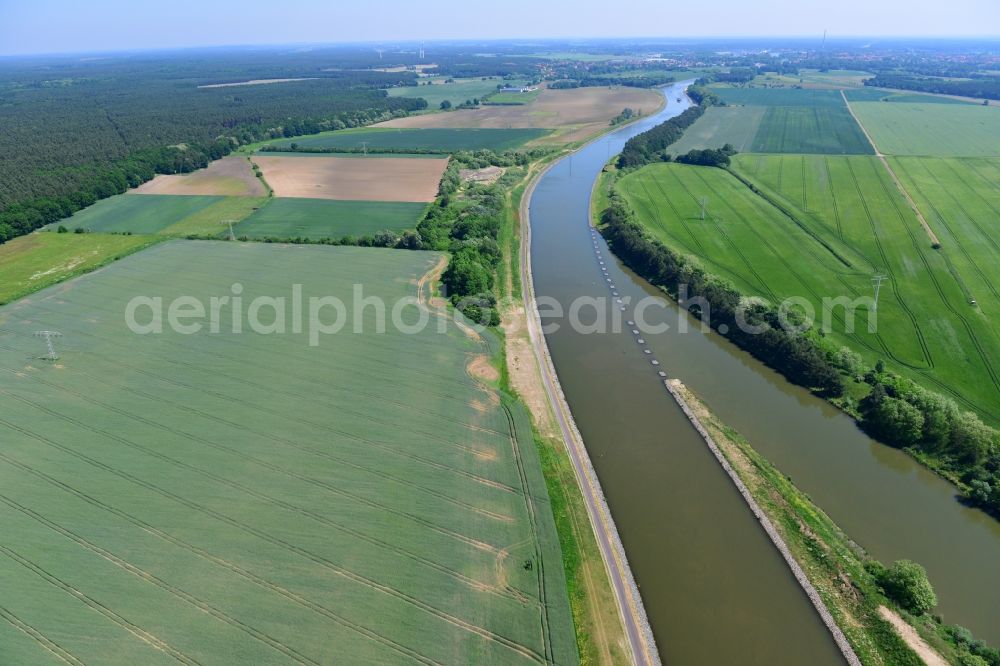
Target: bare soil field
{"points": [[230, 176], [353, 178], [486, 175], [575, 114]]}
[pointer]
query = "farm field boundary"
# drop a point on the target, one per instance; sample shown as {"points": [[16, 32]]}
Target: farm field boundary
{"points": [[563, 116], [316, 219], [719, 125], [937, 130], [229, 176], [823, 129]]}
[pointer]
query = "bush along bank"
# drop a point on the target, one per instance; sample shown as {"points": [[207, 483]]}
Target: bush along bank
{"points": [[898, 412], [853, 586], [466, 220], [932, 428]]}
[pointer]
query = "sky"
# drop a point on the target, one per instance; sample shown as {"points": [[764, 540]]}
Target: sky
{"points": [[71, 26]]}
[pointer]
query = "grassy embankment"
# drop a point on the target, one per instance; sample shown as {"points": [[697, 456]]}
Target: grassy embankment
{"points": [[599, 631], [835, 565]]}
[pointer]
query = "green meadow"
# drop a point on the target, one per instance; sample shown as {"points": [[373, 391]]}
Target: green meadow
{"points": [[778, 96], [326, 218], [736, 125], [777, 120], [137, 213], [938, 130], [249, 498], [41, 259], [821, 129], [882, 95]]}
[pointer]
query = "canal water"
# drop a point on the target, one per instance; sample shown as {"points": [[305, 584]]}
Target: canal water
{"points": [[715, 589]]}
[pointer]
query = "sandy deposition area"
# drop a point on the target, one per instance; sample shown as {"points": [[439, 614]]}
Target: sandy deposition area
{"points": [[353, 178], [576, 113], [229, 177]]}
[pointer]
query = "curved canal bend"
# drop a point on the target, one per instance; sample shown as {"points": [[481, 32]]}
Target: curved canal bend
{"points": [[713, 586]]}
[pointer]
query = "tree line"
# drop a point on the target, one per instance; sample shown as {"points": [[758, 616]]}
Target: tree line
{"points": [[595, 74], [352, 150], [712, 157], [979, 88], [626, 115], [646, 81], [804, 358], [933, 427], [650, 146]]}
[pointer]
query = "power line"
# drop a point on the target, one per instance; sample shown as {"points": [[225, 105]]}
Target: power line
{"points": [[48, 335], [877, 281]]}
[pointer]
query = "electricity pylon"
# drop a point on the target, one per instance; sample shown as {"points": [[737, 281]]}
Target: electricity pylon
{"points": [[48, 335], [877, 281]]}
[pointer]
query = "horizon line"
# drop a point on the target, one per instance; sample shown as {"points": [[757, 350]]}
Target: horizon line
{"points": [[497, 40]]}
